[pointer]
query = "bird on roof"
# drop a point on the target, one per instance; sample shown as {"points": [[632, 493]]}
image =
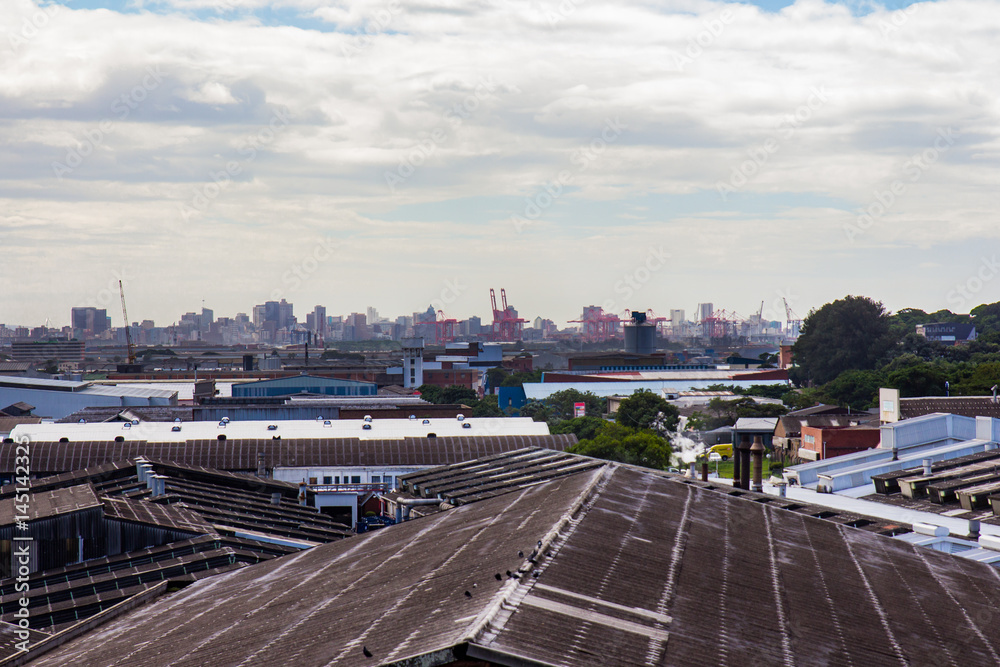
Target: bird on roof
{"points": [[364, 649], [498, 577], [468, 594], [520, 554]]}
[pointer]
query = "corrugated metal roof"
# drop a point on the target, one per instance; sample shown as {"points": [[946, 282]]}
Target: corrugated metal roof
{"points": [[63, 457], [634, 568], [49, 503]]}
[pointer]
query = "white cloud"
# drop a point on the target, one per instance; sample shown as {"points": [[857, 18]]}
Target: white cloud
{"points": [[491, 101]]}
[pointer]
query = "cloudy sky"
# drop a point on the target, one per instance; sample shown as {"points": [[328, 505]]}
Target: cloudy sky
{"points": [[395, 153]]}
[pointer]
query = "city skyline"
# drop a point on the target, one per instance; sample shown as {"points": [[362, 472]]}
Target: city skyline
{"points": [[705, 151]]}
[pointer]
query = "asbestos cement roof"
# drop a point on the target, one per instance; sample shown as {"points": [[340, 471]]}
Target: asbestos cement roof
{"points": [[50, 503], [612, 566]]}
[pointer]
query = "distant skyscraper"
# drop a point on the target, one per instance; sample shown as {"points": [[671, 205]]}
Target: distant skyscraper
{"points": [[89, 319], [676, 318], [372, 315], [705, 311]]}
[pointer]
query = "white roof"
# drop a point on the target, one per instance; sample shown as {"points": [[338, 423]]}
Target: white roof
{"points": [[541, 390], [390, 429], [756, 423]]}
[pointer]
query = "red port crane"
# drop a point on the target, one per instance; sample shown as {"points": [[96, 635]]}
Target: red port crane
{"points": [[507, 327]]}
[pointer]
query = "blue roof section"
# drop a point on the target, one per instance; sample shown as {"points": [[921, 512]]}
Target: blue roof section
{"points": [[308, 384]]}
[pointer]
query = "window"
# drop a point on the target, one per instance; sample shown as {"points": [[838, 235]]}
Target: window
{"points": [[355, 479], [809, 439], [388, 482], [312, 480], [328, 480], [336, 480], [376, 479]]}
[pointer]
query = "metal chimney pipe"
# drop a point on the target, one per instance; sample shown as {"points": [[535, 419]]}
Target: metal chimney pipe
{"points": [[693, 469], [276, 498], [927, 467], [757, 451], [974, 529], [745, 462], [261, 468], [737, 464], [303, 495], [704, 471]]}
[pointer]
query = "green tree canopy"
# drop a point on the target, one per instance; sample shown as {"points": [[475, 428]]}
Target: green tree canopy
{"points": [[852, 333], [585, 428], [646, 410], [559, 406], [615, 442], [856, 389]]}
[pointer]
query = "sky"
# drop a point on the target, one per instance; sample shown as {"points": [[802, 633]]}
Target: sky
{"points": [[398, 153]]}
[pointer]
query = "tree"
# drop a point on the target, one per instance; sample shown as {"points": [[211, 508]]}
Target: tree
{"points": [[615, 442], [852, 333], [488, 407], [585, 428], [431, 393], [646, 410], [560, 406], [856, 389], [459, 394]]}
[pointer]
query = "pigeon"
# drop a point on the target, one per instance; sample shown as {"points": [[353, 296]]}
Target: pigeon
{"points": [[508, 574], [364, 649], [468, 594], [539, 544], [497, 575], [520, 554]]}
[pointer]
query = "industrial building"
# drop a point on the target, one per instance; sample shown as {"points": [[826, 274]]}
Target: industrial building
{"points": [[608, 564], [54, 399], [303, 384]]}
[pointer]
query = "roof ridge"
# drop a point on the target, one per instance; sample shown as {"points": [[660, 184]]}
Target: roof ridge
{"points": [[491, 621]]}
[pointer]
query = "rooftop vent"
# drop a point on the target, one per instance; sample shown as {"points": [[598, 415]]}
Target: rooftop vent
{"points": [[460, 417], [427, 421], [177, 420], [272, 427], [327, 424], [367, 427], [466, 425], [82, 421], [127, 425], [413, 416], [176, 429], [368, 418]]}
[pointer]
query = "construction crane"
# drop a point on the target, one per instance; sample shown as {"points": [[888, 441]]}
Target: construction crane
{"points": [[128, 329], [506, 327], [794, 323]]}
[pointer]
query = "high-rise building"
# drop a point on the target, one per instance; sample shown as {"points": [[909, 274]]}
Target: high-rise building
{"points": [[705, 311], [89, 320], [316, 321], [676, 318]]}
